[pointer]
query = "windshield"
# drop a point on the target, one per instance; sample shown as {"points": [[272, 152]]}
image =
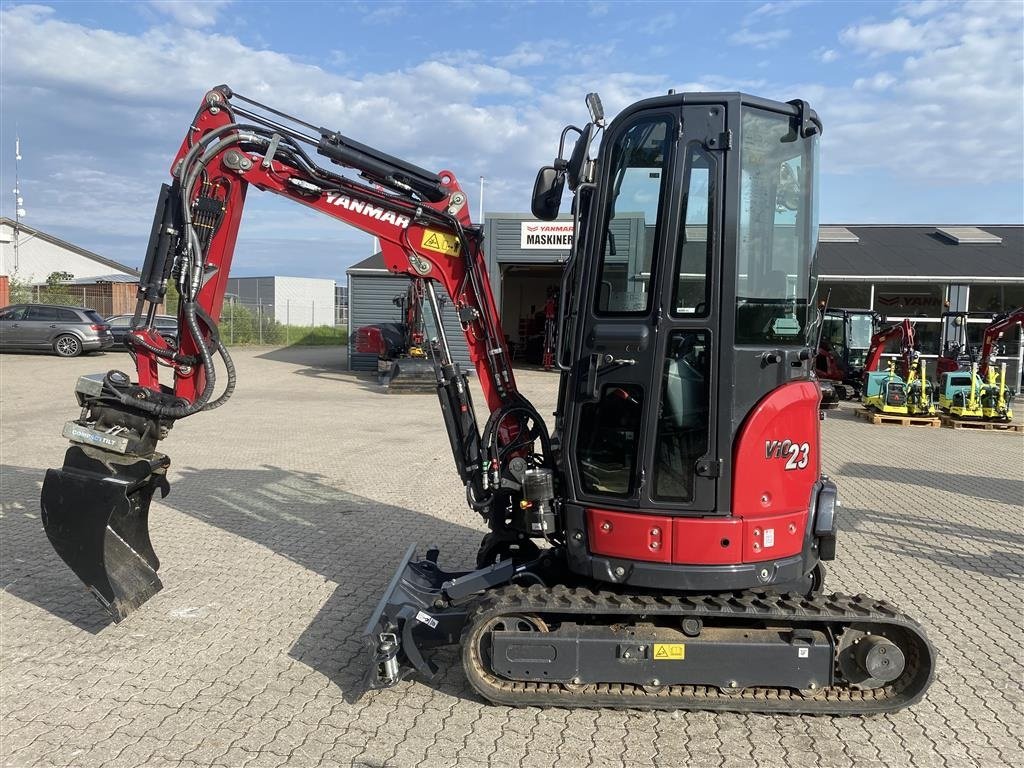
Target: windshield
{"points": [[778, 231], [861, 328]]}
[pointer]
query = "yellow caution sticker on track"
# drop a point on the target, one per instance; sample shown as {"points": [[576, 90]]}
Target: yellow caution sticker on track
{"points": [[440, 242], [669, 651]]}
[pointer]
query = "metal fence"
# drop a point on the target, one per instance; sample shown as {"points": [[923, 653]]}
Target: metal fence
{"points": [[98, 297], [241, 322], [288, 322]]}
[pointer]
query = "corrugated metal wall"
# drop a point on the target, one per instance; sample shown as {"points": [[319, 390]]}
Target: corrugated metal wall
{"points": [[370, 300], [502, 244]]}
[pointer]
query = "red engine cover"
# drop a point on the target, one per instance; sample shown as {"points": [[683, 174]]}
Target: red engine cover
{"points": [[776, 457], [370, 341]]}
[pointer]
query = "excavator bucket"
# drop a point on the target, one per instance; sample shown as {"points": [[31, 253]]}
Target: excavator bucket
{"points": [[96, 514], [410, 375]]}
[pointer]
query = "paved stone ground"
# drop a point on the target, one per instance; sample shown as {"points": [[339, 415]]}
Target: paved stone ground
{"points": [[288, 511]]}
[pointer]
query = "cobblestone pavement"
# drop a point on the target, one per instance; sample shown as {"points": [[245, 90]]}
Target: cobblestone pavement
{"points": [[288, 511]]}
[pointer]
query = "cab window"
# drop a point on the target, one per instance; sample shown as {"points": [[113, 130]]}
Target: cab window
{"points": [[14, 313], [776, 249], [697, 237], [639, 163]]}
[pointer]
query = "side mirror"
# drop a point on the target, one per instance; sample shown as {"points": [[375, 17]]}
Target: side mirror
{"points": [[596, 108], [547, 193]]}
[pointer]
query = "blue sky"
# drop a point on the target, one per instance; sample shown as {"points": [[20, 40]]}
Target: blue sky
{"points": [[922, 101]]}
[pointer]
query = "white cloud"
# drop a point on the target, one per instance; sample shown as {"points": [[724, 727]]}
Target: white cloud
{"points": [[776, 8], [881, 81], [922, 8], [888, 37], [946, 107], [531, 54], [764, 39], [658, 24], [119, 104], [191, 13], [828, 55]]}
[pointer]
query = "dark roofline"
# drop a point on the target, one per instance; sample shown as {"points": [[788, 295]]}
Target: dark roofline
{"points": [[370, 265], [70, 246]]}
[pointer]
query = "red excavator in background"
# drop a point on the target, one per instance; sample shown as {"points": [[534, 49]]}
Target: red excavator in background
{"points": [[956, 352], [993, 332], [843, 349], [662, 545], [904, 331], [903, 388], [404, 353]]}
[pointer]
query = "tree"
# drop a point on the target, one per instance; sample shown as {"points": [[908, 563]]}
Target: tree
{"points": [[21, 290], [56, 291]]}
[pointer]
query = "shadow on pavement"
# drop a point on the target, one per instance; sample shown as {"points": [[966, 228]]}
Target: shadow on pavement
{"points": [[1002, 489], [1003, 560], [29, 567], [327, 362], [349, 540]]}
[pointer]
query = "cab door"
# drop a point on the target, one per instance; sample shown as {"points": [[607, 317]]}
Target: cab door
{"points": [[641, 409]]}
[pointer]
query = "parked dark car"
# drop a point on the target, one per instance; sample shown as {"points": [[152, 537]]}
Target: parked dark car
{"points": [[68, 331], [166, 326]]}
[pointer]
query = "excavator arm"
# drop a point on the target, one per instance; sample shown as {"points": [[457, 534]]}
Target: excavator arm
{"points": [[420, 219], [95, 508], [993, 332], [904, 331]]}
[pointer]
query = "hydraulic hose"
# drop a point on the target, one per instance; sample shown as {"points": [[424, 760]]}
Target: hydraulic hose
{"points": [[174, 411], [229, 370]]}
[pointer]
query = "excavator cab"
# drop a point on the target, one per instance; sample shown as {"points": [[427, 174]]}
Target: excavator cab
{"points": [[843, 348]]}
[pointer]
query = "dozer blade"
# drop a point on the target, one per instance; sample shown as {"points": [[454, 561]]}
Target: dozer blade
{"points": [[95, 512], [409, 375]]}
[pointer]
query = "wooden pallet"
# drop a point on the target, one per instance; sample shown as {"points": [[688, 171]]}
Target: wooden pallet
{"points": [[991, 426], [896, 419]]}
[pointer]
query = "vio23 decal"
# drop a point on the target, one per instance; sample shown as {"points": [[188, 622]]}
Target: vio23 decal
{"points": [[795, 454]]}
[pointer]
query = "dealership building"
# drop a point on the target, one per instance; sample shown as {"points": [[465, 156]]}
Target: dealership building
{"points": [[915, 271]]}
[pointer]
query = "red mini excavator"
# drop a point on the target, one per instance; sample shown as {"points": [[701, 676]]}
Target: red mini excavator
{"points": [[403, 350], [662, 545]]}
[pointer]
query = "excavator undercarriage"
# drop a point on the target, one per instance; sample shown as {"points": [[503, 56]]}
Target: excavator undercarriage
{"points": [[662, 546]]}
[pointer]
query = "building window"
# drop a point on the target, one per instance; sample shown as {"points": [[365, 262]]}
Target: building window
{"points": [[910, 299], [846, 295]]}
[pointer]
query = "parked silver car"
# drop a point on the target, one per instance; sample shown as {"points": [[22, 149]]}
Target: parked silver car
{"points": [[165, 325], [68, 331]]}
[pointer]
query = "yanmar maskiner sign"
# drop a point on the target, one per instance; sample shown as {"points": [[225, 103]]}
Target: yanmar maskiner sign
{"points": [[545, 235]]}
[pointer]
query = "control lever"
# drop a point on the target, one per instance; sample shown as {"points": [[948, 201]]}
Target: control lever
{"points": [[597, 364]]}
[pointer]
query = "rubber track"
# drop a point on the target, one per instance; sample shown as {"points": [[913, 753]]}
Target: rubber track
{"points": [[839, 611]]}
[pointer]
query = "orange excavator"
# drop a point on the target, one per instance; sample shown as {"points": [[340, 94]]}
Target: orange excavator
{"points": [[661, 545]]}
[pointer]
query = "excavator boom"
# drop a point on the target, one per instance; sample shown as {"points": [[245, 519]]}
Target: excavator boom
{"points": [[422, 222]]}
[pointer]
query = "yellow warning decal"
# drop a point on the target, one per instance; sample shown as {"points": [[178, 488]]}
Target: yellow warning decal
{"points": [[440, 242], [669, 651]]}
